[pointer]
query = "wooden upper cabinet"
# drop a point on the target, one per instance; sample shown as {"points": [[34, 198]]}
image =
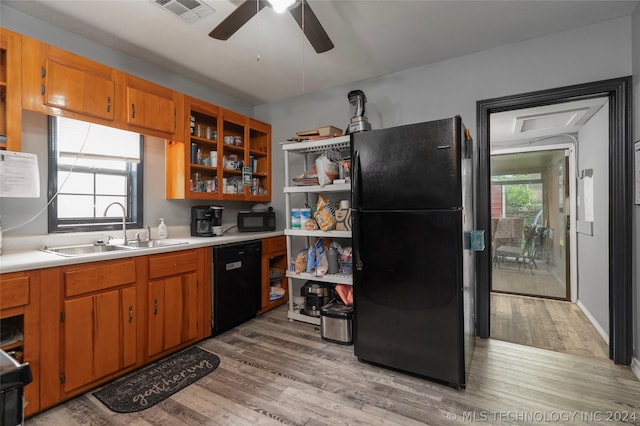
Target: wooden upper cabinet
{"points": [[79, 90], [192, 167], [10, 90], [153, 109], [58, 82]]}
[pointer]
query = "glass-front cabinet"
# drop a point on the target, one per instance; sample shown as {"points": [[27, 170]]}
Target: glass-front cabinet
{"points": [[227, 156]]}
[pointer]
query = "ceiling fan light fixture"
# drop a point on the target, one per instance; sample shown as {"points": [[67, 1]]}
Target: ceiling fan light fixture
{"points": [[281, 5]]}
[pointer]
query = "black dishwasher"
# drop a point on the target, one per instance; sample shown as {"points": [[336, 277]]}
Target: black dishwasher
{"points": [[236, 284]]}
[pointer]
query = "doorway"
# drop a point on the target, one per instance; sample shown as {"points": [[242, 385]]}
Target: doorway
{"points": [[531, 197], [618, 92]]}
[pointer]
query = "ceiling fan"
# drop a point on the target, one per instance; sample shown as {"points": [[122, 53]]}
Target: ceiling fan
{"points": [[310, 25]]}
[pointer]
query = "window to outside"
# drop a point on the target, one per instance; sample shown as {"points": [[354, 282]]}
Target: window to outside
{"points": [[518, 195], [90, 167]]}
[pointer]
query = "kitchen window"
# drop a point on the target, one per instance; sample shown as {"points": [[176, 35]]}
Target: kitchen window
{"points": [[91, 166]]}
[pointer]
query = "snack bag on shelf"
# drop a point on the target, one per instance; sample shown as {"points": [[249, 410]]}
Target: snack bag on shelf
{"points": [[328, 167], [325, 214]]}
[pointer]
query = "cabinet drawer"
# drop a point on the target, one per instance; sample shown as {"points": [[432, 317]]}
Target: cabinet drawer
{"points": [[164, 265], [99, 277], [274, 244], [15, 292]]}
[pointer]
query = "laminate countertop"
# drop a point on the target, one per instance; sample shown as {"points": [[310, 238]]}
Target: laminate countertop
{"points": [[34, 258]]}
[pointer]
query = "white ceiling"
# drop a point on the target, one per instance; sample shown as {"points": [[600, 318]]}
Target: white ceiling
{"points": [[371, 38]]}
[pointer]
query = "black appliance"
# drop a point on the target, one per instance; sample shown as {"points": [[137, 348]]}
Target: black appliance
{"points": [[13, 378], [206, 221], [255, 221], [236, 284], [316, 296], [414, 286]]}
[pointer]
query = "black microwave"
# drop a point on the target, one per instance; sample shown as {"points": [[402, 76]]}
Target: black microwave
{"points": [[249, 221]]}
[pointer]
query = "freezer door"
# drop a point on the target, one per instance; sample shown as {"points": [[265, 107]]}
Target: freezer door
{"points": [[408, 167], [408, 292]]}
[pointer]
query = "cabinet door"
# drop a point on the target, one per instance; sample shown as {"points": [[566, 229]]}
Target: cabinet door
{"points": [[173, 317], [79, 90], [150, 107], [99, 336]]}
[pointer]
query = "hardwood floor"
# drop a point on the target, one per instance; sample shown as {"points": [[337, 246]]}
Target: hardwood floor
{"points": [[544, 282], [548, 324], [274, 371]]}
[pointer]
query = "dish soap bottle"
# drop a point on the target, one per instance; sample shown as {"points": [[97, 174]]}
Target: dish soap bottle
{"points": [[162, 230]]}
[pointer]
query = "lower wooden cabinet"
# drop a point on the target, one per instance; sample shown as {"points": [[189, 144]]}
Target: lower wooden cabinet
{"points": [[99, 322], [174, 291], [274, 267], [104, 319], [19, 315]]}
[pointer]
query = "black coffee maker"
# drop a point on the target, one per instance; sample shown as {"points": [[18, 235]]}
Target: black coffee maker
{"points": [[317, 295], [206, 221]]}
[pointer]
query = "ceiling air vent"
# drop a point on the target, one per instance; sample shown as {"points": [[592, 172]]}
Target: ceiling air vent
{"points": [[554, 120], [189, 10]]}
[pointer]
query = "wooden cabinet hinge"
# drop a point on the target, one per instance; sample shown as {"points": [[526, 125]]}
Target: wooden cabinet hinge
{"points": [[61, 378], [61, 316]]}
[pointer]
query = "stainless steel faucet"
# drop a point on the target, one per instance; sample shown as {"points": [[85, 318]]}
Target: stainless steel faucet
{"points": [[124, 220]]}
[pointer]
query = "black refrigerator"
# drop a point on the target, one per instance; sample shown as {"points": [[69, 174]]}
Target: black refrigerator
{"points": [[413, 275]]}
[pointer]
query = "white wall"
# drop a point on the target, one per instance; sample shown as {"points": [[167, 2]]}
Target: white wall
{"points": [[593, 250]]}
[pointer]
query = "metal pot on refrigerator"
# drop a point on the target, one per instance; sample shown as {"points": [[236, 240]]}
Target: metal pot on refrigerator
{"points": [[316, 296]]}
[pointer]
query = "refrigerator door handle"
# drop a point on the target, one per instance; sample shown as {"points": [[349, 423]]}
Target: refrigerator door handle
{"points": [[355, 202], [355, 231], [355, 183]]}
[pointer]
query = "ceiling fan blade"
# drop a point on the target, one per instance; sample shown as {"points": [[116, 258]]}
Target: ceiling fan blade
{"points": [[236, 20], [312, 28]]}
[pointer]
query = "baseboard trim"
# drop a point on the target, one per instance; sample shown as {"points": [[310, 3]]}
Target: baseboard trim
{"points": [[593, 322], [635, 366]]}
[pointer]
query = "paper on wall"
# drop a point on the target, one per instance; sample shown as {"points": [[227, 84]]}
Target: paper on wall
{"points": [[19, 175], [588, 198]]}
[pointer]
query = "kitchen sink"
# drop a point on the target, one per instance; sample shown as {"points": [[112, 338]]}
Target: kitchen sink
{"points": [[93, 249], [84, 249], [153, 243]]}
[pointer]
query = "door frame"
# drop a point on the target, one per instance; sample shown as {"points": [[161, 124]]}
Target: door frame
{"points": [[619, 93], [572, 285]]}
